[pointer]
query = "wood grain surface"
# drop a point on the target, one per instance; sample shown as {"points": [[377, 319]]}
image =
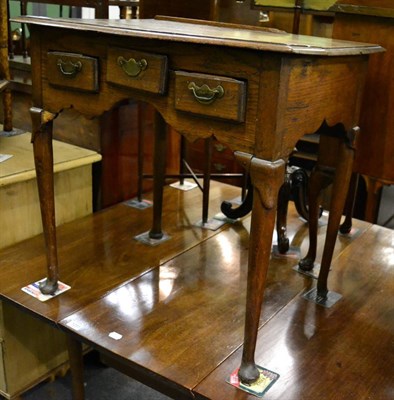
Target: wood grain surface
{"points": [[184, 32], [183, 319], [99, 252], [339, 353]]}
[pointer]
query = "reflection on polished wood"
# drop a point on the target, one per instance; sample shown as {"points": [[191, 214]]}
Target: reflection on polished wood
{"points": [[182, 319], [332, 354], [99, 252], [181, 309]]}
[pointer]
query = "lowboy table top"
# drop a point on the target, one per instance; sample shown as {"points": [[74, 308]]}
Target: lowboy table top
{"points": [[206, 34]]}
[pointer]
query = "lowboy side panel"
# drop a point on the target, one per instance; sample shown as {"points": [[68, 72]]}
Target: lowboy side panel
{"points": [[319, 90]]}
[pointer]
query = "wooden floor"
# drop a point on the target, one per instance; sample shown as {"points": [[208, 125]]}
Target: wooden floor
{"points": [[178, 308]]}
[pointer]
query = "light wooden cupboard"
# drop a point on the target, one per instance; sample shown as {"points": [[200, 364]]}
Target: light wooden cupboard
{"points": [[31, 350]]}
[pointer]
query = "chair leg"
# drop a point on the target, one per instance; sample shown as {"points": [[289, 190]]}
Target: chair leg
{"points": [[319, 179], [281, 215], [299, 191], [245, 207]]}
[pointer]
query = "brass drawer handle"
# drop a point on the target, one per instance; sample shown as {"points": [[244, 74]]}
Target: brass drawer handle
{"points": [[204, 94], [219, 167], [132, 67], [220, 147], [68, 68]]}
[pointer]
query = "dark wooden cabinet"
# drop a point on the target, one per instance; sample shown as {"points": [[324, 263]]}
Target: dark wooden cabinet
{"points": [[177, 8], [373, 22]]}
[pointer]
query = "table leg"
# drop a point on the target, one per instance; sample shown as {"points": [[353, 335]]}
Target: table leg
{"points": [[207, 178], [75, 355], [140, 155], [346, 226], [339, 193], [374, 190], [267, 177], [159, 169], [42, 124]]}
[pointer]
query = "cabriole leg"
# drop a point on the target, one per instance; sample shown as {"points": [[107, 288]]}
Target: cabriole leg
{"points": [[267, 177], [42, 124], [339, 190]]}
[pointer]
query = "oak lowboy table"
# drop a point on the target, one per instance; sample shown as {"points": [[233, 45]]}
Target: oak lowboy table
{"points": [[256, 91]]}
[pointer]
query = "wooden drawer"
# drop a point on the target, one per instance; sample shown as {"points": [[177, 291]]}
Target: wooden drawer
{"points": [[73, 71], [137, 70], [210, 95], [223, 160]]}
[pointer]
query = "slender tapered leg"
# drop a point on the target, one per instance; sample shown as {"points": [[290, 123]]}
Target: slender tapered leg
{"points": [[267, 177], [140, 155], [207, 178], [159, 167], [75, 355], [42, 123], [7, 110], [346, 226], [374, 191], [339, 190], [182, 169]]}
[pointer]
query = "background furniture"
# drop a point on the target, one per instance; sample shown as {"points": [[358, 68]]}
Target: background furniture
{"points": [[31, 351], [19, 214], [373, 21], [5, 76]]}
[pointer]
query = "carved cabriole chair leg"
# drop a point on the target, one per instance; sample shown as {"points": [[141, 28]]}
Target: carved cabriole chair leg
{"points": [[267, 177], [281, 219], [320, 178]]}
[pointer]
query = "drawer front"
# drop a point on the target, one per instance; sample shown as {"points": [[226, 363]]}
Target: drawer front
{"points": [[73, 71], [137, 70], [210, 95]]}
